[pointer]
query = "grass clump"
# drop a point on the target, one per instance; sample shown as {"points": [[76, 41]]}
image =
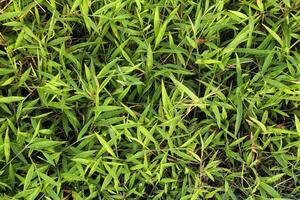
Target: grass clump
{"points": [[146, 99]]}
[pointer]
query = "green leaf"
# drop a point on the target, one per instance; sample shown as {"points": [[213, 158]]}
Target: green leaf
{"points": [[274, 178], [7, 146], [146, 133], [9, 15], [271, 191], [149, 59], [104, 71], [208, 141], [162, 29], [239, 115], [105, 145], [10, 99], [28, 177], [274, 34], [261, 125], [4, 71], [75, 5], [216, 112], [156, 21], [47, 178], [44, 144], [242, 36], [191, 42], [184, 89], [238, 141], [297, 123]]}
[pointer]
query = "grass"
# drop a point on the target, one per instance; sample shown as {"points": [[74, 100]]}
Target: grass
{"points": [[147, 99]]}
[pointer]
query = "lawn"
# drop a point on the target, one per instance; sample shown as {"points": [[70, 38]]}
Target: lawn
{"points": [[149, 99]]}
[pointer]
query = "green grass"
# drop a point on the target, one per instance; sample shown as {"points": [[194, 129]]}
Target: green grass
{"points": [[148, 99]]}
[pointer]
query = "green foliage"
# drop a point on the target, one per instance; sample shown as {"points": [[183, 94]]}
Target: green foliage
{"points": [[147, 99]]}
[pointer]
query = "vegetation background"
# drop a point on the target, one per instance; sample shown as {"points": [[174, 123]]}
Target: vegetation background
{"points": [[148, 99]]}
